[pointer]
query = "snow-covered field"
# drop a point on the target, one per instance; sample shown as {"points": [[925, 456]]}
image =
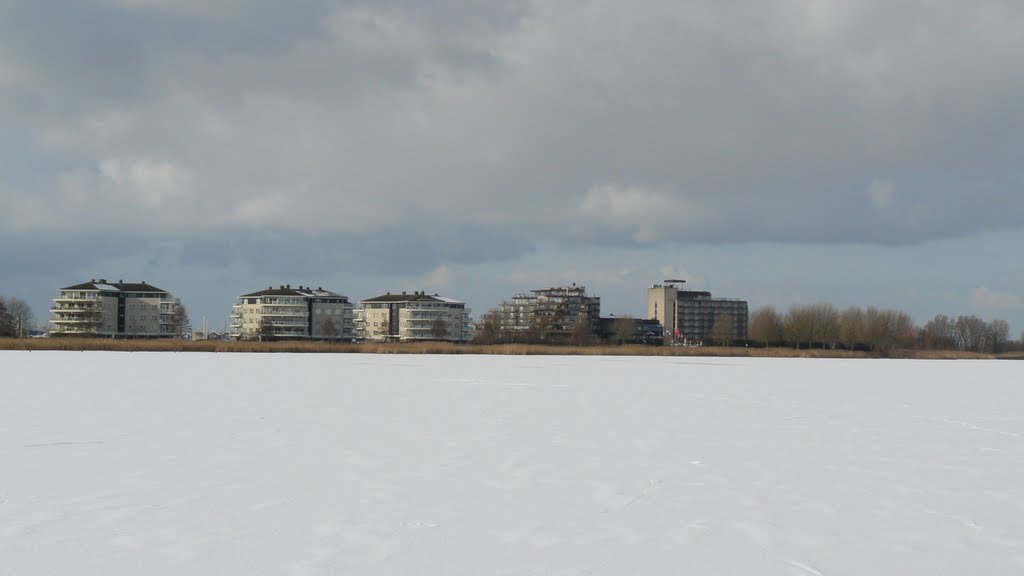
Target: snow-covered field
{"points": [[163, 463]]}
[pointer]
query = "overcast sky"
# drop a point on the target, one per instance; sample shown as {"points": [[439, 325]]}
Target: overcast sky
{"points": [[862, 152]]}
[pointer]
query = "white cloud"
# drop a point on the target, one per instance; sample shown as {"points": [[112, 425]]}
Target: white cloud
{"points": [[152, 183], [440, 279], [646, 215], [268, 211], [396, 113], [881, 194], [986, 299]]}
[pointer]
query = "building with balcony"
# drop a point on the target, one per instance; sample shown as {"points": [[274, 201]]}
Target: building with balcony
{"points": [[415, 317], [549, 314], [287, 313], [691, 317], [114, 309]]}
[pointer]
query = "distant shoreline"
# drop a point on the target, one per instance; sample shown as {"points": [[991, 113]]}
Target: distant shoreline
{"points": [[111, 345]]}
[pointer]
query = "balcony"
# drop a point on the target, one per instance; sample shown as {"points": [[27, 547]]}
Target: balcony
{"points": [[73, 321], [296, 324], [76, 306], [76, 298]]}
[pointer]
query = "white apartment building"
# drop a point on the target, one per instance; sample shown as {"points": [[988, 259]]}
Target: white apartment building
{"points": [[301, 313], [417, 316], [113, 309]]}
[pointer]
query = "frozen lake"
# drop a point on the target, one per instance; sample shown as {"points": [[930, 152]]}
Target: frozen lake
{"points": [[163, 463]]}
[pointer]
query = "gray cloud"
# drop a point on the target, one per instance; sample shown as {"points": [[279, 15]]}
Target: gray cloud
{"points": [[766, 122], [428, 132]]}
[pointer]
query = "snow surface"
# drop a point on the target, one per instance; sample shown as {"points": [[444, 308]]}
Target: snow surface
{"points": [[164, 463]]}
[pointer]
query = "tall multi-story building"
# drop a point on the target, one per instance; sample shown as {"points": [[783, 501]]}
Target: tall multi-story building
{"points": [[663, 306], [417, 316], [515, 317], [288, 313], [114, 309], [551, 314], [692, 316]]}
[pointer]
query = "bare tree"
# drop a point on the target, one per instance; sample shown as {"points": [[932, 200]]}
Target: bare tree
{"points": [[490, 328], [536, 332], [765, 325], [972, 334], [439, 329], [939, 333], [722, 329], [851, 327], [874, 329], [625, 329], [581, 332], [904, 329], [888, 329], [329, 329], [824, 324], [999, 334], [6, 322], [181, 324], [798, 326], [22, 319], [816, 324]]}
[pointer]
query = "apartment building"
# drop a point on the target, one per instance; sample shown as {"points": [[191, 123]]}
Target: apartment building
{"points": [[550, 314], [516, 318], [114, 309], [287, 313], [692, 316], [412, 317]]}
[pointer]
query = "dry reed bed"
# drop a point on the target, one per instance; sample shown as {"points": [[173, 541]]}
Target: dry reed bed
{"points": [[114, 345]]}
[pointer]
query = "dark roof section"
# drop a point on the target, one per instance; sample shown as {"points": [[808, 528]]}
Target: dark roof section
{"points": [[276, 292], [136, 287], [85, 286], [414, 297], [302, 291], [120, 286]]}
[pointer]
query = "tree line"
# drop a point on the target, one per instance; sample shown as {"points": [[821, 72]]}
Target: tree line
{"points": [[544, 329], [876, 329]]}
